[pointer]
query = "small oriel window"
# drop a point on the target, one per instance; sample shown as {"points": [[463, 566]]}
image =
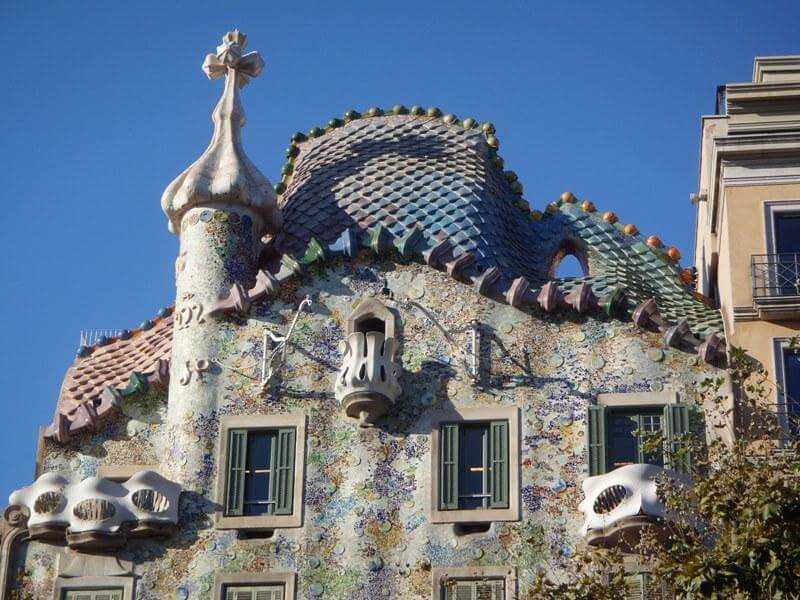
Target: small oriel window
{"points": [[260, 474], [108, 594], [258, 592], [474, 465], [616, 436], [475, 589]]}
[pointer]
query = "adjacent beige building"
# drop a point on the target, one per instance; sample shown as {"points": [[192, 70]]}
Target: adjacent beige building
{"points": [[748, 218]]}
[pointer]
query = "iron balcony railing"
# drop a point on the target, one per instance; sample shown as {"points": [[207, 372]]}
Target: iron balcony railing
{"points": [[776, 275]]}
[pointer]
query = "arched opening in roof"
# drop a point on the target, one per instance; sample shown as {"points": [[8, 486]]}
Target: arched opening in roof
{"points": [[570, 262]]}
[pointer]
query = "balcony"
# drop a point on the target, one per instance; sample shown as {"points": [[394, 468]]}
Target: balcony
{"points": [[367, 383], [618, 505], [98, 514], [776, 285]]}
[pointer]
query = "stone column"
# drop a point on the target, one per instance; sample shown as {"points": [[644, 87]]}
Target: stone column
{"points": [[220, 207]]}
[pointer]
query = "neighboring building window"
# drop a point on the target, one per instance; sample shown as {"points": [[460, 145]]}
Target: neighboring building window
{"points": [[260, 472], [789, 372], [258, 592], [616, 435], [115, 594], [474, 589], [261, 469], [787, 248], [474, 469]]}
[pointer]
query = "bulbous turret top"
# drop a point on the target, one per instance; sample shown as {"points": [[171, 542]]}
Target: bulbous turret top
{"points": [[224, 175]]}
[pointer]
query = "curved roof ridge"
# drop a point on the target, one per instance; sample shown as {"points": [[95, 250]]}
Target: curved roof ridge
{"points": [[433, 113]]}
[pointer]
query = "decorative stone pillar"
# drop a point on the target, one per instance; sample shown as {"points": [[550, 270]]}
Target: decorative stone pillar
{"points": [[220, 207]]}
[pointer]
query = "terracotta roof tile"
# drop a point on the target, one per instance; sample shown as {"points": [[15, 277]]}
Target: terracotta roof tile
{"points": [[108, 366]]}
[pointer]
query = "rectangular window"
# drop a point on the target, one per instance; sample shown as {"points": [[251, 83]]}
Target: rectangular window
{"points": [[642, 586], [474, 589], [474, 465], [627, 430], [787, 249], [791, 391], [110, 594], [260, 472], [258, 592], [616, 436]]}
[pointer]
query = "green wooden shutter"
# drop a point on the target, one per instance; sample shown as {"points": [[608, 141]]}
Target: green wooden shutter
{"points": [[498, 464], [237, 456], [596, 434], [676, 427], [282, 481], [262, 592], [448, 467]]}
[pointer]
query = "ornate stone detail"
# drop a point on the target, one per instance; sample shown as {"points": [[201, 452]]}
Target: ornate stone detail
{"points": [[367, 383], [224, 174], [618, 504], [197, 367], [98, 513], [189, 313]]}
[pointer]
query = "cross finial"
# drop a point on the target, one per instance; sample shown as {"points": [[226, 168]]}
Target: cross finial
{"points": [[229, 57]]}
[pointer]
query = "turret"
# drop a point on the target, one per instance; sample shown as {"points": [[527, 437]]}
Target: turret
{"points": [[220, 207]]}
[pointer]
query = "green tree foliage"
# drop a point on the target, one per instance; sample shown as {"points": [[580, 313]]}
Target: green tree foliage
{"points": [[734, 534]]}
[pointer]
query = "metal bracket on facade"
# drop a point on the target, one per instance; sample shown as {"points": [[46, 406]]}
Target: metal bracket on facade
{"points": [[271, 361]]}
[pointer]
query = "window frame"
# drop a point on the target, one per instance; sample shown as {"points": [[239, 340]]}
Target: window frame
{"points": [[91, 583], [511, 512], [252, 423], [780, 345], [631, 401], [440, 575], [284, 578]]}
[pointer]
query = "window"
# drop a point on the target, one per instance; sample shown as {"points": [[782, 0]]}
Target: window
{"points": [[475, 458], [259, 592], [627, 430], [260, 471], [787, 249], [474, 589], [791, 377], [254, 586], [474, 469], [260, 482], [617, 428], [474, 583], [642, 586], [115, 594], [787, 370]]}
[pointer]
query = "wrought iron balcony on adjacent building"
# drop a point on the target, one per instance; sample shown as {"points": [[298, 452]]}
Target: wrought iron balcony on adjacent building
{"points": [[776, 285]]}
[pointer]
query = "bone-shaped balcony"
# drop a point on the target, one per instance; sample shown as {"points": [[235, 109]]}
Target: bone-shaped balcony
{"points": [[98, 513], [618, 505], [366, 385]]}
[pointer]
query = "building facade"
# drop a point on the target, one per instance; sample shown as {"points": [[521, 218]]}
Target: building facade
{"points": [[748, 223], [371, 383]]}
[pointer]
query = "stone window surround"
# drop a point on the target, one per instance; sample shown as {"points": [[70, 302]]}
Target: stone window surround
{"points": [[121, 473], [284, 578], [71, 584], [478, 515], [507, 573], [631, 399], [298, 421]]}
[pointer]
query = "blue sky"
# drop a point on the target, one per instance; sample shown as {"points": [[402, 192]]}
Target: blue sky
{"points": [[104, 103]]}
